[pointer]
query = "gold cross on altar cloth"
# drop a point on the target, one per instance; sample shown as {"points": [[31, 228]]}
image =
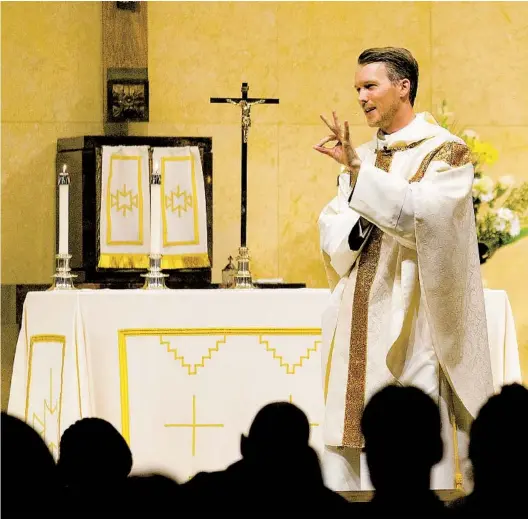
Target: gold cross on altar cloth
{"points": [[194, 425]]}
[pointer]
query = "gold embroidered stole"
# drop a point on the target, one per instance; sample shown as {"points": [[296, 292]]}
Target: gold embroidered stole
{"points": [[357, 367]]}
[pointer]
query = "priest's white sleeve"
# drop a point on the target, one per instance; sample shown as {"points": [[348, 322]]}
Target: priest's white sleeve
{"points": [[387, 201], [336, 222]]}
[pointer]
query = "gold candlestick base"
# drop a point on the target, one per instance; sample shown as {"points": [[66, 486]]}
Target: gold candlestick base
{"points": [[243, 276]]}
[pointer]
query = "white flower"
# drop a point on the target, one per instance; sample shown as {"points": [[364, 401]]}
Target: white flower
{"points": [[507, 221], [500, 225], [470, 134], [483, 184], [506, 214], [486, 197], [483, 188], [515, 227], [506, 180]]}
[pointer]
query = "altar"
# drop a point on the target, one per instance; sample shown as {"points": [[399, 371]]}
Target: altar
{"points": [[182, 373]]}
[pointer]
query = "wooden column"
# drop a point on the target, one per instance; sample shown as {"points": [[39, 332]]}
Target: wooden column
{"points": [[125, 50]]}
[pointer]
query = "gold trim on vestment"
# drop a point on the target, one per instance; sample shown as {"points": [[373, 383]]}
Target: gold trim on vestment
{"points": [[453, 153], [328, 368], [459, 478], [357, 364], [355, 395]]}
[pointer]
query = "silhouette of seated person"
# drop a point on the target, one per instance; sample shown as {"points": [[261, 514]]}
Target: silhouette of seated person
{"points": [[94, 462], [29, 473], [402, 437], [498, 451], [278, 472], [150, 495]]}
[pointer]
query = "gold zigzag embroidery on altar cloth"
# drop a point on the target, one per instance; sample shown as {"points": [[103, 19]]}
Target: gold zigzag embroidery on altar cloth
{"points": [[192, 369], [48, 408], [124, 334], [290, 368]]}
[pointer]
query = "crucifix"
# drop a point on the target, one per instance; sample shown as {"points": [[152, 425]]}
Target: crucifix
{"points": [[245, 103]]}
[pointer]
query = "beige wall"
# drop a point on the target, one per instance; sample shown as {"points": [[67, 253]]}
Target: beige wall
{"points": [[474, 55], [51, 88]]}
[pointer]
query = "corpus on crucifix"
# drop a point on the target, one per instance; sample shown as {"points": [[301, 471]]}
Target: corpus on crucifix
{"points": [[243, 277]]}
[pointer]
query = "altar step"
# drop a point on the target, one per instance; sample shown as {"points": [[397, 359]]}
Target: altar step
{"points": [[363, 496]]}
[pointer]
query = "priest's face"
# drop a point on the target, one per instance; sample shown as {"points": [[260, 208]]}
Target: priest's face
{"points": [[378, 97]]}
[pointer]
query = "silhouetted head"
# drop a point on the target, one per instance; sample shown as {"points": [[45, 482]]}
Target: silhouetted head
{"points": [[278, 428], [402, 431], [277, 446], [93, 451], [498, 446], [28, 466]]}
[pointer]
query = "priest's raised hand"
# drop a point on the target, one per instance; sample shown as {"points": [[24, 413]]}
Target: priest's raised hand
{"points": [[343, 152]]}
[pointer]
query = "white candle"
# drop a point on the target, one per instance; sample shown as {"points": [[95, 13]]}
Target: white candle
{"points": [[155, 217], [63, 216]]}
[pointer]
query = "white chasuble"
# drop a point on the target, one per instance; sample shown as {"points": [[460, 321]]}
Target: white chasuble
{"points": [[125, 207], [408, 306]]}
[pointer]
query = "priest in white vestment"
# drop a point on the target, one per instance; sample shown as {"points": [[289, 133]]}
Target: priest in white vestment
{"points": [[400, 250]]}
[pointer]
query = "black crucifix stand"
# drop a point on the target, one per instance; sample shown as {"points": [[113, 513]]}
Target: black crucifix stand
{"points": [[243, 276]]}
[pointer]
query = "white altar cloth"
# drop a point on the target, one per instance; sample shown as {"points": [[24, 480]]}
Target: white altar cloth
{"points": [[182, 373]]}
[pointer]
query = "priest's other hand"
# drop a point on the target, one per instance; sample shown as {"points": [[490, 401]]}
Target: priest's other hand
{"points": [[343, 152]]}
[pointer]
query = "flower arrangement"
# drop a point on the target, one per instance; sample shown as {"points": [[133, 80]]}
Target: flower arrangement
{"points": [[501, 207]]}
